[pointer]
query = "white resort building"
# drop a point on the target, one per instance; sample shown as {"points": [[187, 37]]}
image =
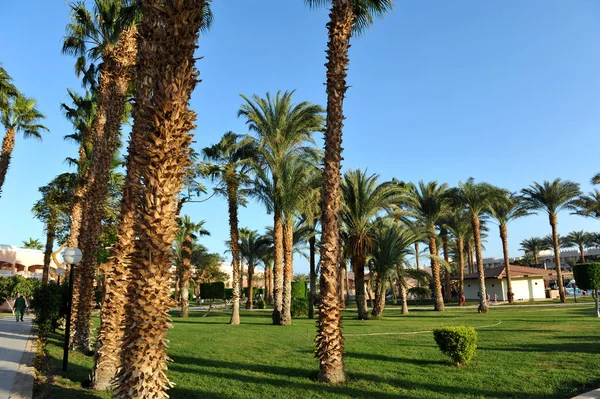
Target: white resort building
{"points": [[26, 262]]}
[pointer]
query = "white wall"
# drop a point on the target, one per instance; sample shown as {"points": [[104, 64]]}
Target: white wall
{"points": [[523, 288]]}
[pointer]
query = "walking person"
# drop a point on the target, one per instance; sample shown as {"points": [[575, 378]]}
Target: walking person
{"points": [[20, 306]]}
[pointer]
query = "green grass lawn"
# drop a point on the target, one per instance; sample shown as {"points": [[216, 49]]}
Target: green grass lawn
{"points": [[537, 353]]}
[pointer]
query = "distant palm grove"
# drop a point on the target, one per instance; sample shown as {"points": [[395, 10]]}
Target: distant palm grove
{"points": [[137, 66]]}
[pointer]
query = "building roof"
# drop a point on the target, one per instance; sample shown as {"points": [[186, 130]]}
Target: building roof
{"points": [[515, 272], [22, 256]]}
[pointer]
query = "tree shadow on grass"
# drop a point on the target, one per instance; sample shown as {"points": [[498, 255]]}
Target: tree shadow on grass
{"points": [[571, 347], [393, 359]]}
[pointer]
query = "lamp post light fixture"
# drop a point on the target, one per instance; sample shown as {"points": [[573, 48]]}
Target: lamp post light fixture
{"points": [[71, 256]]}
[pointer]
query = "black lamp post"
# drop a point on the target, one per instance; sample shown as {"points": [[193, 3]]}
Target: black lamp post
{"points": [[72, 256]]}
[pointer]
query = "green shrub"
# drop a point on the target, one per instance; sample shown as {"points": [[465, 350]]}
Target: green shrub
{"points": [[458, 342], [299, 307], [261, 305], [299, 289], [587, 275], [255, 291], [49, 304], [213, 290], [228, 293]]}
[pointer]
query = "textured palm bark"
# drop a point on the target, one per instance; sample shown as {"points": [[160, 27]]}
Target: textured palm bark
{"points": [[119, 62], [379, 302], [483, 306], [117, 271], [312, 277], [581, 253], [358, 266], [470, 256], [417, 257], [250, 301], [186, 275], [341, 285], [329, 340], [460, 246], [50, 235], [268, 285], [168, 34], [234, 245], [277, 266], [504, 237], [288, 272], [345, 264], [438, 302], [448, 277], [559, 277], [79, 196], [8, 144]]}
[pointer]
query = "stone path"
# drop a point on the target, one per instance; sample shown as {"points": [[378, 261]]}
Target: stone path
{"points": [[14, 337]]}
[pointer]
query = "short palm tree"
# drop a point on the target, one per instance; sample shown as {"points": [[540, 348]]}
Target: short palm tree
{"points": [[505, 210], [477, 199], [310, 215], [581, 240], [430, 202], [533, 246], [347, 18], [553, 197], [252, 248], [459, 224], [391, 246], [188, 233], [19, 116], [33, 244], [363, 199], [230, 161], [282, 128]]}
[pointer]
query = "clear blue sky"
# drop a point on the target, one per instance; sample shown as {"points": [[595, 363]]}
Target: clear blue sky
{"points": [[506, 92]]}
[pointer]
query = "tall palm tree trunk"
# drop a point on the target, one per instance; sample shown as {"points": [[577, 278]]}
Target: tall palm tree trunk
{"points": [[341, 285], [504, 238], [241, 274], [112, 95], [347, 283], [379, 302], [117, 271], [417, 257], [329, 340], [460, 244], [288, 272], [269, 284], [448, 282], [78, 197], [312, 277], [186, 275], [358, 266], [403, 298], [559, 277], [582, 253], [470, 256], [483, 307], [50, 235], [169, 32], [277, 266], [234, 242], [438, 303], [8, 144], [250, 301]]}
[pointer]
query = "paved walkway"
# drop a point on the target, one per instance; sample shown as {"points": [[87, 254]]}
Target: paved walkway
{"points": [[13, 339]]}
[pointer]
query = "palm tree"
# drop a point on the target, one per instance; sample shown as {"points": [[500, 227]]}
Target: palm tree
{"points": [[459, 223], [33, 244], [589, 205], [166, 77], [580, 239], [390, 247], [188, 233], [430, 203], [282, 130], [20, 115], [310, 218], [533, 246], [7, 88], [230, 162], [477, 198], [363, 199], [347, 18], [252, 248], [552, 197], [504, 211], [103, 33]]}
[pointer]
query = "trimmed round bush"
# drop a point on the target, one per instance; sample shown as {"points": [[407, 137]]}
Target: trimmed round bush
{"points": [[458, 342], [299, 307]]}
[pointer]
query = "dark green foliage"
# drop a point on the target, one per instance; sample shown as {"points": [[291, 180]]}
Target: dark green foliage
{"points": [[261, 305], [9, 286], [587, 275], [228, 293], [49, 304], [458, 342], [420, 292], [255, 291], [299, 307], [213, 290], [299, 289]]}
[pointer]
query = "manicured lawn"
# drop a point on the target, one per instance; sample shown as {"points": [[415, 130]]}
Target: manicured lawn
{"points": [[542, 352]]}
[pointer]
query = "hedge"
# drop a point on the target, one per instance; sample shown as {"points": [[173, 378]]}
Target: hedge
{"points": [[255, 291], [213, 290], [587, 275], [299, 289], [458, 342]]}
